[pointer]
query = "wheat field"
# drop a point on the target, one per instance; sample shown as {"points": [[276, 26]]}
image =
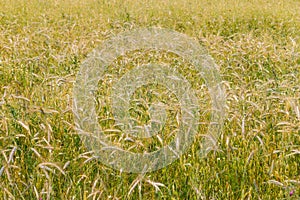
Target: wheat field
{"points": [[256, 45]]}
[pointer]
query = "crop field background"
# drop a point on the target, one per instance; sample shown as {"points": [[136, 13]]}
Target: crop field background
{"points": [[256, 45]]}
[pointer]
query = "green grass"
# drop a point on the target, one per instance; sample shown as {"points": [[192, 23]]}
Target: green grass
{"points": [[256, 45]]}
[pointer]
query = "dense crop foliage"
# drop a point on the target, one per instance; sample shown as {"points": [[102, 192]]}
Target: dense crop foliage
{"points": [[256, 44]]}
